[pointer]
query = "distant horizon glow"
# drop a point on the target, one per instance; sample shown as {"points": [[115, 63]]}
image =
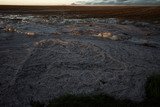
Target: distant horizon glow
{"points": [[36, 2], [81, 2]]}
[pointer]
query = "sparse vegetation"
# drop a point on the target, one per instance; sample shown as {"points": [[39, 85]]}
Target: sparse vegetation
{"points": [[87, 101], [37, 104], [101, 100], [153, 89]]}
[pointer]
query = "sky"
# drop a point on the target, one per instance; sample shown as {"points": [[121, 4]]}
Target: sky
{"points": [[83, 2], [122, 2], [36, 2]]}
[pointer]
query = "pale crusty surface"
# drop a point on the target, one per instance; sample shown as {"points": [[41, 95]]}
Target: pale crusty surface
{"points": [[43, 57]]}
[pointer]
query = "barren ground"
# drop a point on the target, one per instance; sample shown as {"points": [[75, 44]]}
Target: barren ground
{"points": [[45, 56]]}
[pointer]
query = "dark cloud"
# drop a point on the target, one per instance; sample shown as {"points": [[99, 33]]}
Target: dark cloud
{"points": [[104, 2], [121, 0]]}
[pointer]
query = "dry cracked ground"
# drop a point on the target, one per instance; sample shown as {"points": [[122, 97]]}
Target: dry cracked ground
{"points": [[46, 56]]}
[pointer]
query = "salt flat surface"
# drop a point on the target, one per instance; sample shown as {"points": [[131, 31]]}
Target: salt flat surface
{"points": [[45, 56]]}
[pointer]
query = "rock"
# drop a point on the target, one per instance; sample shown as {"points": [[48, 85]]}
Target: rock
{"points": [[105, 35], [142, 24], [56, 33], [127, 22], [138, 41], [111, 36], [9, 29], [115, 37], [30, 34], [112, 21]]}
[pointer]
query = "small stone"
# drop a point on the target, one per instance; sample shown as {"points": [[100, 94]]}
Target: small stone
{"points": [[30, 34], [105, 34], [109, 35], [114, 37], [56, 33], [9, 29]]}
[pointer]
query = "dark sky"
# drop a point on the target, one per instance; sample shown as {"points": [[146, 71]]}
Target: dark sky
{"points": [[138, 2]]}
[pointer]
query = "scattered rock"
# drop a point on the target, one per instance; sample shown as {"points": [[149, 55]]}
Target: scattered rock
{"points": [[127, 22], [56, 33], [52, 67], [114, 37], [44, 43], [9, 29], [112, 21], [142, 24], [30, 34], [105, 35]]}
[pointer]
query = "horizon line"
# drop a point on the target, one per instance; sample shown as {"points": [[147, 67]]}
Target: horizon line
{"points": [[79, 5]]}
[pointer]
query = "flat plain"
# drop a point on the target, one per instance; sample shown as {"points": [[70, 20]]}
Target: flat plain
{"points": [[131, 12]]}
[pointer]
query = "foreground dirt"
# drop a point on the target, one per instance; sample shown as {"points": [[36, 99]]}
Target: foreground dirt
{"points": [[45, 56]]}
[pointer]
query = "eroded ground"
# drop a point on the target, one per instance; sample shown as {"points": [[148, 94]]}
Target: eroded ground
{"points": [[45, 56]]}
